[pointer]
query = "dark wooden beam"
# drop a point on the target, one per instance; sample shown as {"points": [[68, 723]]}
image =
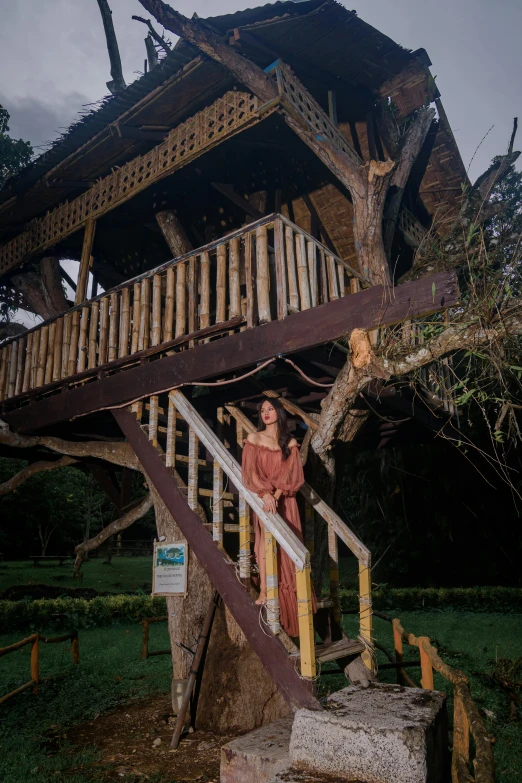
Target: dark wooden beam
{"points": [[107, 481], [369, 309], [222, 574], [235, 198]]}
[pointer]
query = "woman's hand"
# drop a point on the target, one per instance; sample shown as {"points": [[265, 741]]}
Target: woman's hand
{"points": [[269, 503]]}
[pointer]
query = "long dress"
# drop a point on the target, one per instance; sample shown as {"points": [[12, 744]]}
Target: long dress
{"points": [[265, 470]]}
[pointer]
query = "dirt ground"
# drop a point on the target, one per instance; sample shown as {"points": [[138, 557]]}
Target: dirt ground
{"points": [[135, 739]]}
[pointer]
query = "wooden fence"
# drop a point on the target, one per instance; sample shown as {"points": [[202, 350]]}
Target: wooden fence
{"points": [[35, 640], [145, 652]]}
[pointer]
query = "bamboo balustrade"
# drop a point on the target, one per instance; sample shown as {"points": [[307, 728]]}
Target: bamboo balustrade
{"points": [[262, 272], [35, 640]]}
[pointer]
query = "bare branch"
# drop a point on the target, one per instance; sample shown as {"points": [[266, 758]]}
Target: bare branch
{"points": [[514, 133], [154, 33], [31, 470], [152, 55], [118, 82]]}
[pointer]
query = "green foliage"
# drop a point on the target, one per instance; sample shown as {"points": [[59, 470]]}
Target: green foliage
{"points": [[14, 153], [67, 613], [506, 600]]}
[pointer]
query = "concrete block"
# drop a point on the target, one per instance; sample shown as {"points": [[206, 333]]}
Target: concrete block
{"points": [[301, 776], [381, 734], [258, 756]]}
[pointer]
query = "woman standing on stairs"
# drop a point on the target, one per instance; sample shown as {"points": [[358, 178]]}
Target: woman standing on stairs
{"points": [[272, 470]]}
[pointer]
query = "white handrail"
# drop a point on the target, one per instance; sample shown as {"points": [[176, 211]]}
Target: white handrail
{"points": [[275, 524]]}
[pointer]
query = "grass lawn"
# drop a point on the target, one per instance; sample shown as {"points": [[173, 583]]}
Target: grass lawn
{"points": [[32, 727], [123, 575]]}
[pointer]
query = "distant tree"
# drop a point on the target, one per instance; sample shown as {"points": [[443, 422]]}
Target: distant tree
{"points": [[14, 153]]}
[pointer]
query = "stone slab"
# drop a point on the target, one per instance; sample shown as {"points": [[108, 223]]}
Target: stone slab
{"points": [[259, 755], [381, 734], [300, 776]]}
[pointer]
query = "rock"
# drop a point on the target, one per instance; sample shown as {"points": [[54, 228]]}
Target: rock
{"points": [[157, 742], [258, 756]]}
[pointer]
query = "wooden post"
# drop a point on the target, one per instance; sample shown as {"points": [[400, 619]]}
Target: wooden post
{"points": [[217, 505], [302, 272], [144, 336], [333, 553], [263, 275], [168, 323], [192, 495], [221, 283], [67, 329], [145, 640], [181, 299], [306, 623], [26, 383], [312, 270], [35, 656], [75, 648], [83, 340], [250, 282], [125, 323], [333, 287], [42, 353], [309, 528], [279, 247], [234, 279], [93, 336], [293, 290], [365, 610], [113, 327], [85, 262], [156, 310], [170, 459], [20, 364], [460, 734], [153, 420], [204, 310], [397, 643], [58, 346], [136, 305], [426, 665], [104, 331], [73, 347], [272, 583], [244, 541]]}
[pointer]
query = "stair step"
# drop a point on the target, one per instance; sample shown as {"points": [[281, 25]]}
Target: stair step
{"points": [[336, 650]]}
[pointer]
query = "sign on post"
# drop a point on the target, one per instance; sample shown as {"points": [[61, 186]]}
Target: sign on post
{"points": [[170, 575]]}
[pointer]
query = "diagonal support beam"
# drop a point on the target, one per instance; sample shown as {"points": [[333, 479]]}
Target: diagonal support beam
{"points": [[222, 574]]}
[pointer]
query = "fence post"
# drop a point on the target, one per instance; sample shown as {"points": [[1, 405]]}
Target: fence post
{"points": [[306, 623], [35, 655], [426, 665], [460, 734], [397, 643], [365, 610], [145, 641], [75, 647]]}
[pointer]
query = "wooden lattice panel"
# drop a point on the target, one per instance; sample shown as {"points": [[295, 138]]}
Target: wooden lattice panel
{"points": [[229, 114]]}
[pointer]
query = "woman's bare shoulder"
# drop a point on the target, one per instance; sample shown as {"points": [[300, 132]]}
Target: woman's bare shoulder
{"points": [[253, 437], [293, 443]]}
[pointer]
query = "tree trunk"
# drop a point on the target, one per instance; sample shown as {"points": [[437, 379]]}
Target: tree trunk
{"points": [[43, 292], [118, 82], [174, 233], [236, 691]]}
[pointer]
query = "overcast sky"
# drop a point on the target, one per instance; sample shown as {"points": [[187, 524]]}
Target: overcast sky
{"points": [[53, 59]]}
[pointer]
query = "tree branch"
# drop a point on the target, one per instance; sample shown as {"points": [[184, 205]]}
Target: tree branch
{"points": [[31, 470], [157, 37], [118, 82]]}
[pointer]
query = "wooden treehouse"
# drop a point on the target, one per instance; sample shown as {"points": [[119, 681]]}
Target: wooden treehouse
{"points": [[225, 268]]}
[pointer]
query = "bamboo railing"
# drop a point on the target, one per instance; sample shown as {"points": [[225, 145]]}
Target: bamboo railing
{"points": [[262, 272], [467, 721], [34, 640]]}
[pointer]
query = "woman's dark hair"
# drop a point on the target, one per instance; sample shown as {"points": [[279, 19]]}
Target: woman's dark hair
{"points": [[283, 433]]}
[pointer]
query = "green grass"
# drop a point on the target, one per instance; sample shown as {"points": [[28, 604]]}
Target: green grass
{"points": [[471, 642], [123, 575], [32, 744]]}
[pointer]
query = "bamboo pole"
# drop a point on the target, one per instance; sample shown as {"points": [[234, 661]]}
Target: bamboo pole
{"points": [[168, 323], [12, 369], [20, 366], [340, 273], [153, 420], [426, 665], [3, 369], [26, 383], [234, 279], [67, 329], [156, 310], [83, 340], [9, 351], [125, 323], [192, 291], [217, 505], [309, 528], [144, 336], [58, 346], [204, 310], [262, 275], [181, 299], [192, 495], [114, 319], [302, 272], [272, 584], [93, 335], [221, 283], [136, 303], [365, 610], [42, 355], [35, 658], [250, 282], [397, 643], [85, 262], [104, 331], [170, 460], [34, 358], [244, 540], [73, 347], [293, 290], [280, 265], [306, 623], [50, 353], [312, 270], [333, 553], [324, 276], [355, 285], [333, 284]]}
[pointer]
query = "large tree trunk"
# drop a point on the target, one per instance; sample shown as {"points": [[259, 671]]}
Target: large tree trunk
{"points": [[174, 233], [43, 292]]}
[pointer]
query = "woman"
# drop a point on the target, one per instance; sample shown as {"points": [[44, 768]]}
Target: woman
{"points": [[272, 470]]}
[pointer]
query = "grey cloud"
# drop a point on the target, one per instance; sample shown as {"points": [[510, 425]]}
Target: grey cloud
{"points": [[39, 120]]}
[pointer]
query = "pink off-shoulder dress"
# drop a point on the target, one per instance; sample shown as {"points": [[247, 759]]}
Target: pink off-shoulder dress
{"points": [[265, 470]]}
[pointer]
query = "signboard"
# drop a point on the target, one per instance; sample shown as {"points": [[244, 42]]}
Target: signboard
{"points": [[170, 573]]}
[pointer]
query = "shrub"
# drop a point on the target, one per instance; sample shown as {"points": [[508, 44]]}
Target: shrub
{"points": [[472, 599]]}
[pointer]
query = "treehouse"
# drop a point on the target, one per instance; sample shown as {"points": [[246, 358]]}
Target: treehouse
{"points": [[241, 210]]}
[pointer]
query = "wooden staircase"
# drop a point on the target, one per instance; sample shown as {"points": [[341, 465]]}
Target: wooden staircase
{"points": [[172, 440]]}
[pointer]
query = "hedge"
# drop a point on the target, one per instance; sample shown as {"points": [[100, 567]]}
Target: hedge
{"points": [[471, 599], [58, 613]]}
